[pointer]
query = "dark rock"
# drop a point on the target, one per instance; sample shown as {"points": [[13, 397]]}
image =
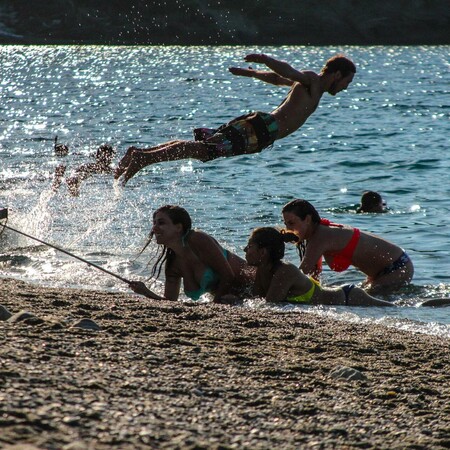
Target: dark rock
{"points": [[86, 324], [21, 316], [5, 314], [201, 22]]}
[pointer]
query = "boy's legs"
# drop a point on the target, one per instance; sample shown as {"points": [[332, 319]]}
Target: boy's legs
{"points": [[126, 159], [136, 159]]}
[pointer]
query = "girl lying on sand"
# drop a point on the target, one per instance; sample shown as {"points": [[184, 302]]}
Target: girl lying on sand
{"points": [[279, 281]]}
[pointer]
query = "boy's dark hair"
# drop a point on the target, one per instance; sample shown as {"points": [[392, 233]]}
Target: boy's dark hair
{"points": [[339, 63]]}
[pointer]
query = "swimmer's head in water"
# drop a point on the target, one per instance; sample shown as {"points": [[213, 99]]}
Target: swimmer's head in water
{"points": [[371, 202], [3, 213]]}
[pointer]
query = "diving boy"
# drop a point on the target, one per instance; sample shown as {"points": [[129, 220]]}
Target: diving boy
{"points": [[252, 132]]}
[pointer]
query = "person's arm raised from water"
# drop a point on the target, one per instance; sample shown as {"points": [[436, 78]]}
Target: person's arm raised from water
{"points": [[283, 69]]}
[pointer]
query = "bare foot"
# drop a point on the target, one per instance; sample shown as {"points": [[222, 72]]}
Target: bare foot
{"points": [[125, 162], [136, 164]]}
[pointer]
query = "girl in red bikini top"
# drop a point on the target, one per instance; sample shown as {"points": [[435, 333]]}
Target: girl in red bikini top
{"points": [[385, 264], [339, 260], [342, 259]]}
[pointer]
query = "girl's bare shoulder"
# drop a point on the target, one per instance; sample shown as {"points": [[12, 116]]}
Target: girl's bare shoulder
{"points": [[198, 239]]}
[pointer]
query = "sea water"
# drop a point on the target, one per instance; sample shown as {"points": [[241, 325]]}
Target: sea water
{"points": [[388, 132]]}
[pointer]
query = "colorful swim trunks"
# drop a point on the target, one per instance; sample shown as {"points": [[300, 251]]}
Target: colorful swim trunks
{"points": [[245, 134]]}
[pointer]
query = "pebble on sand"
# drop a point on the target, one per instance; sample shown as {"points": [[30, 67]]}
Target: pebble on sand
{"points": [[5, 314], [347, 373], [86, 324]]}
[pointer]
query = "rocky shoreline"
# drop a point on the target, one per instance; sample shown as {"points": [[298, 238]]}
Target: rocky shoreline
{"points": [[202, 22], [95, 370]]}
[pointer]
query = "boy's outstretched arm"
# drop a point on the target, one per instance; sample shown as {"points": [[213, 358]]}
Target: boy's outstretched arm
{"points": [[283, 69], [266, 76]]}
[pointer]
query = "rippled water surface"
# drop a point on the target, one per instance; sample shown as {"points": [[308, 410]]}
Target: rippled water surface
{"points": [[389, 132]]}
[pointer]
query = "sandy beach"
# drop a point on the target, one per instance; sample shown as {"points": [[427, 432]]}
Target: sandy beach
{"points": [[147, 374]]}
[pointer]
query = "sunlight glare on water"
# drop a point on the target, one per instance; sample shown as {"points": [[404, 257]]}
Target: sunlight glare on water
{"points": [[388, 132]]}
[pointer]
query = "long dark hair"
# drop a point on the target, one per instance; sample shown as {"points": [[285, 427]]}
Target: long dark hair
{"points": [[273, 240], [302, 208], [177, 215]]}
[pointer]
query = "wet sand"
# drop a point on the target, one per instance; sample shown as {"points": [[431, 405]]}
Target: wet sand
{"points": [[148, 374]]}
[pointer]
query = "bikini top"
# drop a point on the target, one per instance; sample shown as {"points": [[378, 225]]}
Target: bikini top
{"points": [[342, 259], [208, 282], [307, 296]]}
